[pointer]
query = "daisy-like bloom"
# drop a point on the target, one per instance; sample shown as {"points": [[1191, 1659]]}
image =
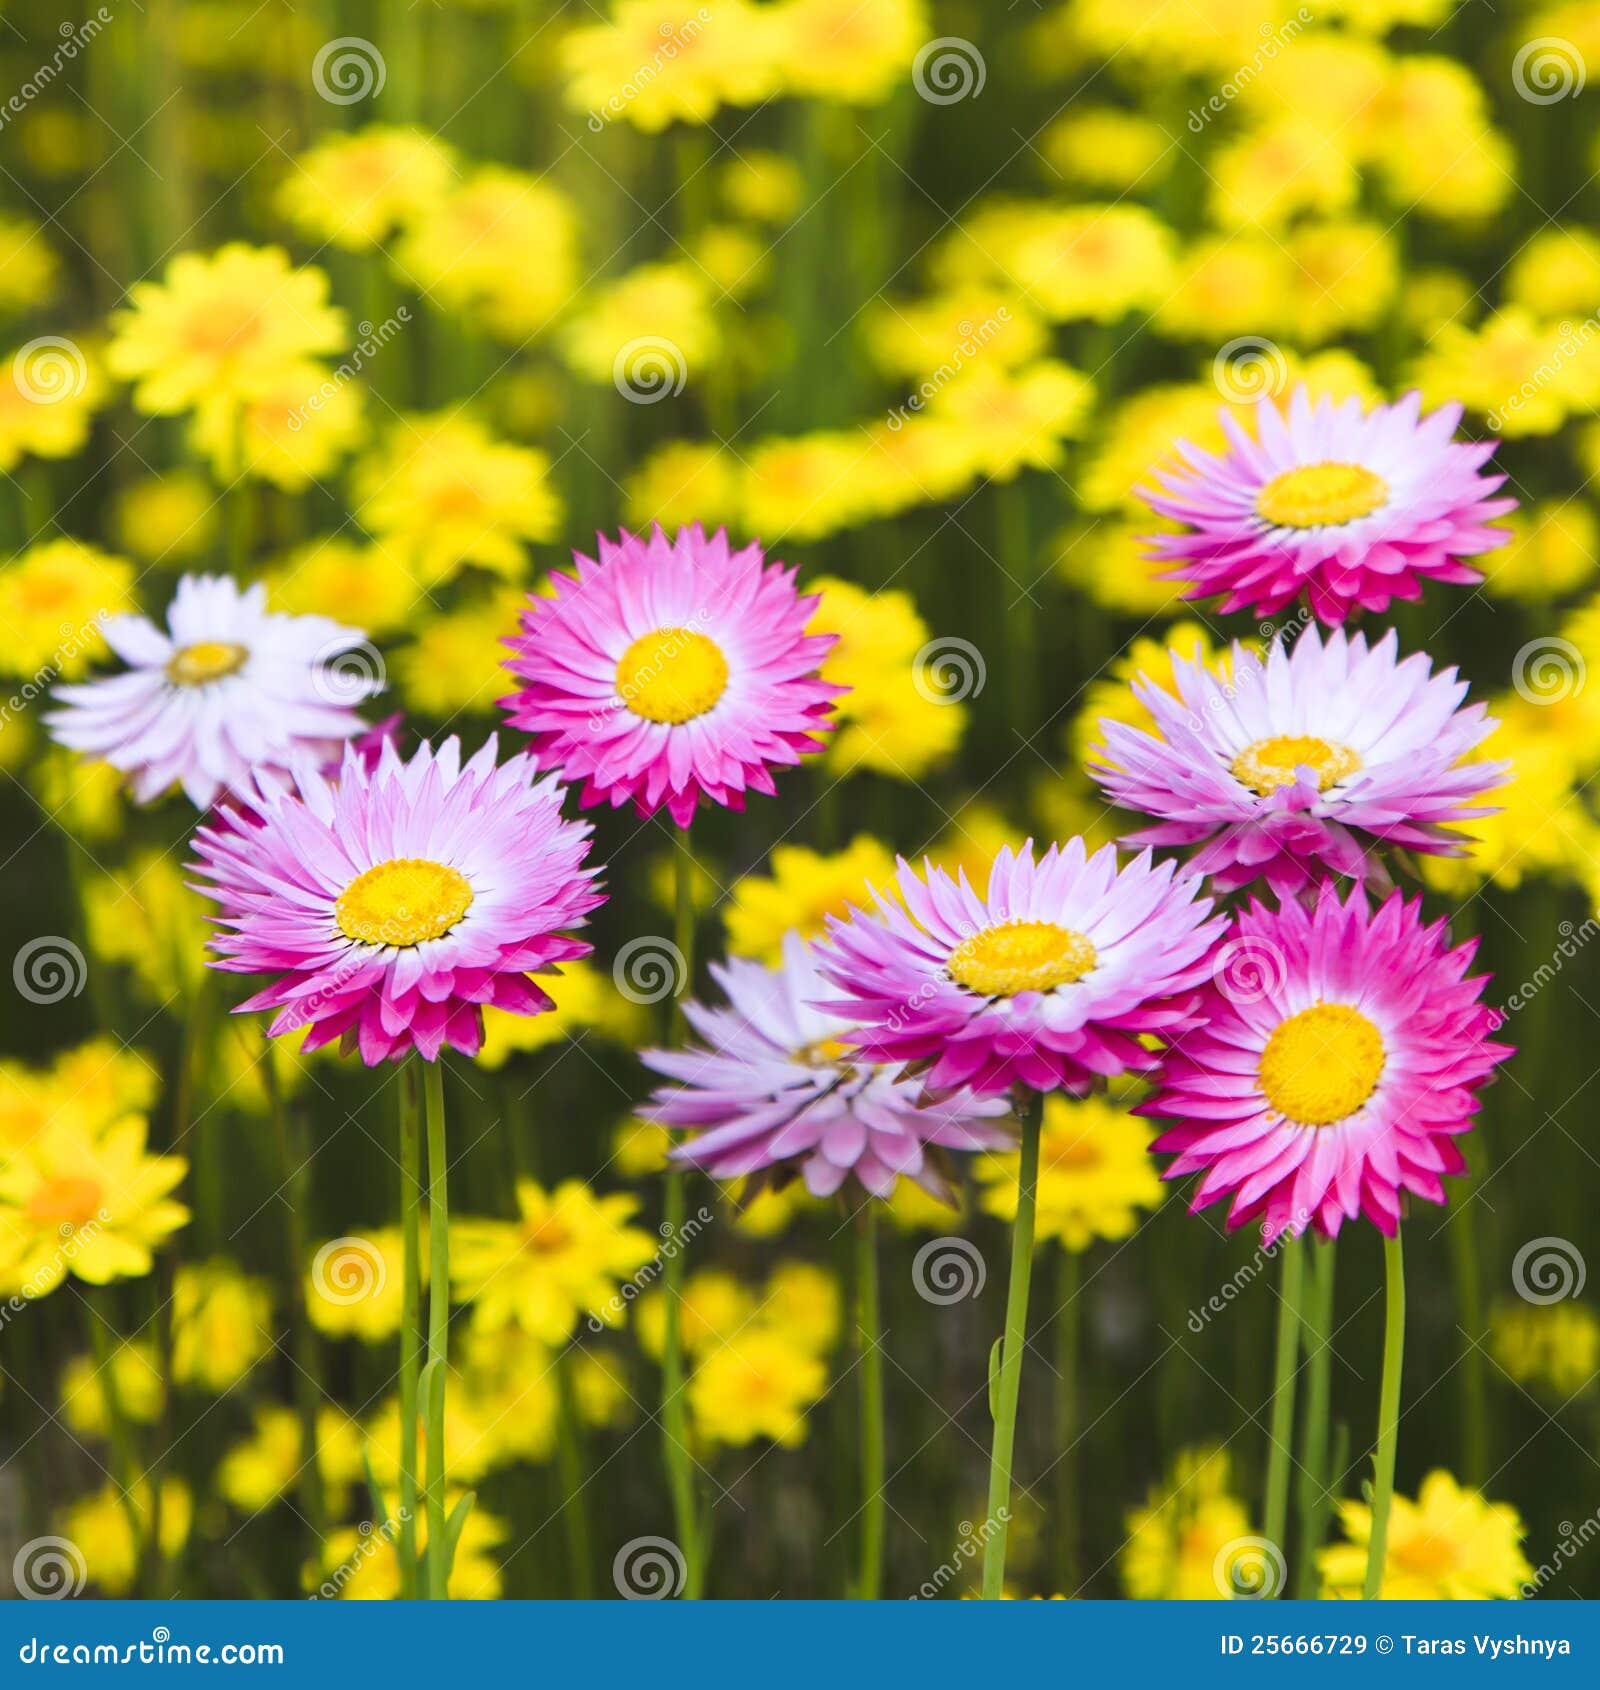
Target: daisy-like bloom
{"points": [[757, 1384], [774, 1088], [1338, 1058], [671, 671], [1178, 1544], [1047, 980], [227, 692], [394, 903], [1352, 509], [1296, 765]]}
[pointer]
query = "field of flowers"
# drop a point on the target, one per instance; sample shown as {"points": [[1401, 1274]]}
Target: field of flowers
{"points": [[798, 799]]}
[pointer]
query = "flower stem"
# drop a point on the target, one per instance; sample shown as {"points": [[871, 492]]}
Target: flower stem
{"points": [[1394, 1337], [1315, 1449], [438, 1326], [1010, 1380], [569, 1458], [123, 1462], [1275, 1521], [869, 1328], [1069, 1324], [410, 1319]]}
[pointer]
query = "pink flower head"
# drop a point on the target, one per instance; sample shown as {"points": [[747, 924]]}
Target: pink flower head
{"points": [[228, 690], [1298, 765], [1047, 981], [1352, 509], [774, 1087], [395, 902], [669, 671], [1338, 1059]]}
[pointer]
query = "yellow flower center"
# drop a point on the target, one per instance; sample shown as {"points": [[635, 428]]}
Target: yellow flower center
{"points": [[206, 660], [672, 675], [1020, 956], [68, 1201], [402, 902], [825, 1053], [1321, 1065], [547, 1237], [1321, 496], [1271, 763]]}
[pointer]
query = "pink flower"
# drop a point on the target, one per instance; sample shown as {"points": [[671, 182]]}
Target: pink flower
{"points": [[671, 671], [396, 901], [1047, 981], [1351, 509], [1338, 1059]]}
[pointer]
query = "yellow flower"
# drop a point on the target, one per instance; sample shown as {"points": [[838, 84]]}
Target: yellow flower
{"points": [[292, 430], [757, 1385], [52, 601], [1093, 262], [146, 916], [968, 845], [512, 1404], [804, 488], [1553, 1345], [561, 1259], [804, 888], [1521, 374], [1141, 435], [1069, 807], [98, 1525], [1227, 285], [443, 492], [49, 392], [932, 340], [1018, 422], [1145, 659], [915, 460], [221, 1324], [714, 1307], [1344, 277], [600, 1390], [167, 519], [354, 190], [1432, 296], [1106, 147], [475, 1433], [85, 796], [639, 1148], [802, 1302], [1439, 153], [96, 1206], [1110, 561], [770, 1211], [454, 661], [649, 329], [97, 1083], [856, 52], [28, 266], [1556, 272], [138, 1382], [1177, 1544], [1552, 549], [1266, 178], [356, 1284], [364, 1566], [1095, 1173], [220, 326], [681, 482], [586, 1000], [736, 262], [914, 1210], [1450, 1545], [259, 1469], [327, 577], [765, 187]]}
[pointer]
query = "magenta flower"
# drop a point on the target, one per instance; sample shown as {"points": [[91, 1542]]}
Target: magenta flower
{"points": [[671, 671], [1351, 509], [774, 1087], [1046, 982], [1338, 1060], [395, 902], [1296, 766]]}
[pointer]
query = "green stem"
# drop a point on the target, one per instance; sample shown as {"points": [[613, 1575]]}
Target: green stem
{"points": [[1315, 1500], [121, 1432], [1010, 1380], [1275, 1522], [1069, 1326], [569, 1460], [869, 1327], [1394, 1337], [1021, 615], [1468, 1276], [410, 1320], [438, 1325]]}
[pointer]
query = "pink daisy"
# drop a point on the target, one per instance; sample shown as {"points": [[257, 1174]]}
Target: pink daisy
{"points": [[671, 671], [1046, 982], [1296, 765], [1338, 1060], [229, 689], [1352, 509], [776, 1087], [396, 901]]}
